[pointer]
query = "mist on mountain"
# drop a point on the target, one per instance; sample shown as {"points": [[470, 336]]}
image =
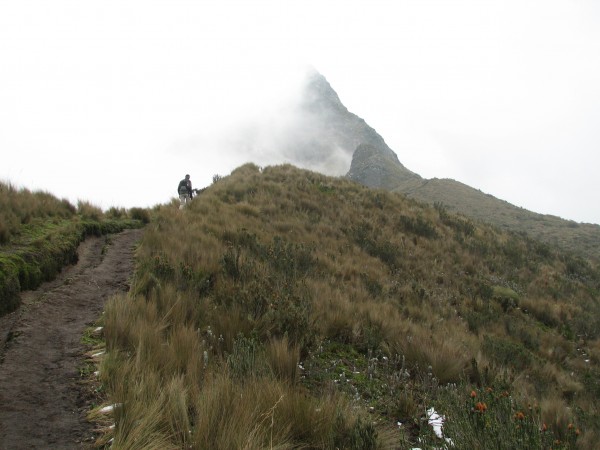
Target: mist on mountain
{"points": [[307, 126]]}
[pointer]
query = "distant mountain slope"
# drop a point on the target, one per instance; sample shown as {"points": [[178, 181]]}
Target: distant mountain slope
{"points": [[375, 165], [457, 197]]}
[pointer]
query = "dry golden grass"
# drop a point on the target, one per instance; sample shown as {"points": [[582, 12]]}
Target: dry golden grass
{"points": [[271, 268], [20, 207], [89, 211], [439, 354], [283, 358], [267, 413]]}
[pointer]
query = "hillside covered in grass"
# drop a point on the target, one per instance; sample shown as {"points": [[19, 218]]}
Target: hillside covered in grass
{"points": [[39, 235], [579, 238], [287, 309]]}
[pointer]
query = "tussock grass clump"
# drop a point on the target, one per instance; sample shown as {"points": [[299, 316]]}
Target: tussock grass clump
{"points": [[283, 359], [20, 207], [264, 413], [287, 309], [88, 211]]}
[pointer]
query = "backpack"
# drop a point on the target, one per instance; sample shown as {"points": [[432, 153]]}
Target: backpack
{"points": [[182, 187]]}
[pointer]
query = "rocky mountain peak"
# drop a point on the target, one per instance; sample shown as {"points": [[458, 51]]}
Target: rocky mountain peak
{"points": [[375, 167], [319, 96], [336, 130]]}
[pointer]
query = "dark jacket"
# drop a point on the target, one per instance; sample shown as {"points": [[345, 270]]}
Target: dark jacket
{"points": [[185, 187]]}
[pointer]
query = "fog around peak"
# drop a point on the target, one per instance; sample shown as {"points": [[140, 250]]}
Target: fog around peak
{"points": [[286, 128]]}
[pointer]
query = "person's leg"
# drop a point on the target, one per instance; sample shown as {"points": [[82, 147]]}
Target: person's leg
{"points": [[182, 200]]}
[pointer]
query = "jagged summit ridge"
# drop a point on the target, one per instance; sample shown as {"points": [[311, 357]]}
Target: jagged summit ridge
{"points": [[341, 130]]}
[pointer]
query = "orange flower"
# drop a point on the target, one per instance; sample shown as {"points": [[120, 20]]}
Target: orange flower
{"points": [[473, 394], [480, 407], [577, 432], [570, 426], [544, 427], [519, 416]]}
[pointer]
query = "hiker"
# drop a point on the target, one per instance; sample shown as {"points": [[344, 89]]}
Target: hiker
{"points": [[185, 191]]}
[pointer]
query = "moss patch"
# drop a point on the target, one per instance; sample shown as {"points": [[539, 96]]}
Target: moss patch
{"points": [[42, 249]]}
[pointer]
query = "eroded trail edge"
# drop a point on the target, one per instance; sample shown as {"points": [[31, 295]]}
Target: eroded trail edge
{"points": [[42, 401]]}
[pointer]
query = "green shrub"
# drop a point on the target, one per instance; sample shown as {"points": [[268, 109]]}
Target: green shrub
{"points": [[507, 353], [290, 259], [419, 226], [461, 225], [507, 297], [363, 234], [359, 436], [246, 359]]}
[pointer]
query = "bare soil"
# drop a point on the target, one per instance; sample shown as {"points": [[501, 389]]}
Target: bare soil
{"points": [[44, 393]]}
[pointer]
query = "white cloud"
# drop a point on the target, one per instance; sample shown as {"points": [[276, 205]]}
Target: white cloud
{"points": [[127, 97]]}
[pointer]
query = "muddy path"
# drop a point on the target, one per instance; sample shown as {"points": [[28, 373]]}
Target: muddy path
{"points": [[43, 398]]}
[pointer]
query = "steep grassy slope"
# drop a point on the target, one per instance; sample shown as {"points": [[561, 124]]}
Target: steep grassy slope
{"points": [[286, 309]]}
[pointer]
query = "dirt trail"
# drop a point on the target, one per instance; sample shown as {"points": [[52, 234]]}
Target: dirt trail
{"points": [[43, 402]]}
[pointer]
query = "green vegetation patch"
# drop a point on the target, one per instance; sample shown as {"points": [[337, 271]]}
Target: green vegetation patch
{"points": [[493, 415], [40, 249], [507, 353]]}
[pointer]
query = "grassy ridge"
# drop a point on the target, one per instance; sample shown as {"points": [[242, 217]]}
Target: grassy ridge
{"points": [[286, 309], [39, 235], [579, 238]]}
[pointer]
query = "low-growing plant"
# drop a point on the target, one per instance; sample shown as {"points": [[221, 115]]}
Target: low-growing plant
{"points": [[418, 226], [247, 359], [507, 353], [492, 417], [364, 235]]}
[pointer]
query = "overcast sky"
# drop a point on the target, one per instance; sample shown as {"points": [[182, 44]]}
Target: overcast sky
{"points": [[106, 101]]}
